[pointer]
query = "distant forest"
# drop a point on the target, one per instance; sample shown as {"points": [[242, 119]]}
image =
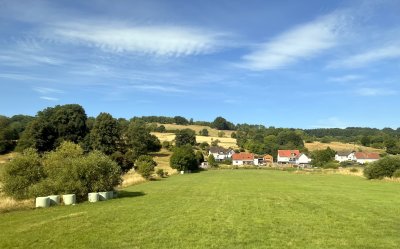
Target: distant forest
{"points": [[53, 125]]}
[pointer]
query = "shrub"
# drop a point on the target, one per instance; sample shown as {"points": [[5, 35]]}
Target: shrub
{"points": [[66, 170], [21, 174], [385, 167], [145, 166], [330, 165], [354, 170], [215, 142], [211, 161], [183, 158], [204, 146], [160, 173], [396, 174], [166, 145]]}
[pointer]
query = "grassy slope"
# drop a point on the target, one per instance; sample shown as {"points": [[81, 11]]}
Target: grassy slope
{"points": [[222, 209]]}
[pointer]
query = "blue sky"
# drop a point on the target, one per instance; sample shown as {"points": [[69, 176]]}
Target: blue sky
{"points": [[304, 64]]}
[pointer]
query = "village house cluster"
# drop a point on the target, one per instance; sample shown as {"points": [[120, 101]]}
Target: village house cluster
{"points": [[294, 157]]}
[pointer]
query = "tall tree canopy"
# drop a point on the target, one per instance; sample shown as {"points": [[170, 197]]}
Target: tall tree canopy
{"points": [[139, 140], [54, 125], [106, 133]]}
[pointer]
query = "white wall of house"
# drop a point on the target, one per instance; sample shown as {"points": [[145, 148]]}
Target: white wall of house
{"points": [[341, 158], [243, 162], [303, 159], [351, 156], [222, 156], [364, 161], [283, 159], [237, 162]]}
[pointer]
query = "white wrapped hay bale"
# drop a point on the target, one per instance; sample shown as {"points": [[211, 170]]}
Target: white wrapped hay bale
{"points": [[103, 196], [69, 199], [93, 197], [43, 202], [54, 200], [110, 195]]}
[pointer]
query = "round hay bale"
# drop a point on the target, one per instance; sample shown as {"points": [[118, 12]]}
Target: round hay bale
{"points": [[103, 196], [93, 197], [42, 202], [54, 200], [69, 199]]}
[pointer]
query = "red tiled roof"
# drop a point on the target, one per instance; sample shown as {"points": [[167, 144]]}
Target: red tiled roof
{"points": [[243, 156], [288, 153], [365, 155]]}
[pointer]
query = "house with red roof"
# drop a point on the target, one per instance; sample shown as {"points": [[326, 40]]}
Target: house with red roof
{"points": [[365, 157], [287, 156], [243, 158]]}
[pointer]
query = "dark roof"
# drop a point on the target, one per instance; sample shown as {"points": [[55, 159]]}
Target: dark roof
{"points": [[344, 153], [219, 149]]}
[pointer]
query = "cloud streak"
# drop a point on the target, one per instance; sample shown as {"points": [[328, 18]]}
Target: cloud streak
{"points": [[368, 57], [300, 43], [170, 41], [367, 91]]}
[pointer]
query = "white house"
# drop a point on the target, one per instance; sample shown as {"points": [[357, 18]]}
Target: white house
{"points": [[302, 159], [287, 156], [343, 156], [364, 157], [243, 158], [220, 153]]}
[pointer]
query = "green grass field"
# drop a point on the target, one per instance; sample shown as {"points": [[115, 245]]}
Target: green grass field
{"points": [[222, 209]]}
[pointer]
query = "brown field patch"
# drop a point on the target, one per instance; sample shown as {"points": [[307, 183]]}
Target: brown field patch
{"points": [[338, 146]]}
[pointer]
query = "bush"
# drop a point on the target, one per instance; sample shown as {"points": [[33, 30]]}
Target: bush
{"points": [[145, 166], [385, 167], [354, 170], [211, 161], [160, 173], [66, 170], [184, 159], [204, 146], [21, 174], [166, 145], [396, 174], [330, 165]]}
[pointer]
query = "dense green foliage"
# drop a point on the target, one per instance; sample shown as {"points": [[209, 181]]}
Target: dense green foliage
{"points": [[261, 140], [221, 123], [145, 166], [322, 158], [11, 130], [185, 136], [54, 125], [21, 174], [211, 161], [203, 132], [65, 170], [222, 209], [106, 134], [384, 167], [139, 140], [179, 120], [183, 159]]}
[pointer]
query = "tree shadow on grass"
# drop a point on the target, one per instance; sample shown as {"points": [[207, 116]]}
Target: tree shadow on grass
{"points": [[129, 194]]}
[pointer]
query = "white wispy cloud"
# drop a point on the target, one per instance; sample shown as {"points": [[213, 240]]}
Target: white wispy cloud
{"points": [[369, 91], [160, 88], [49, 98], [371, 55], [47, 90], [173, 41], [346, 78], [299, 43]]}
